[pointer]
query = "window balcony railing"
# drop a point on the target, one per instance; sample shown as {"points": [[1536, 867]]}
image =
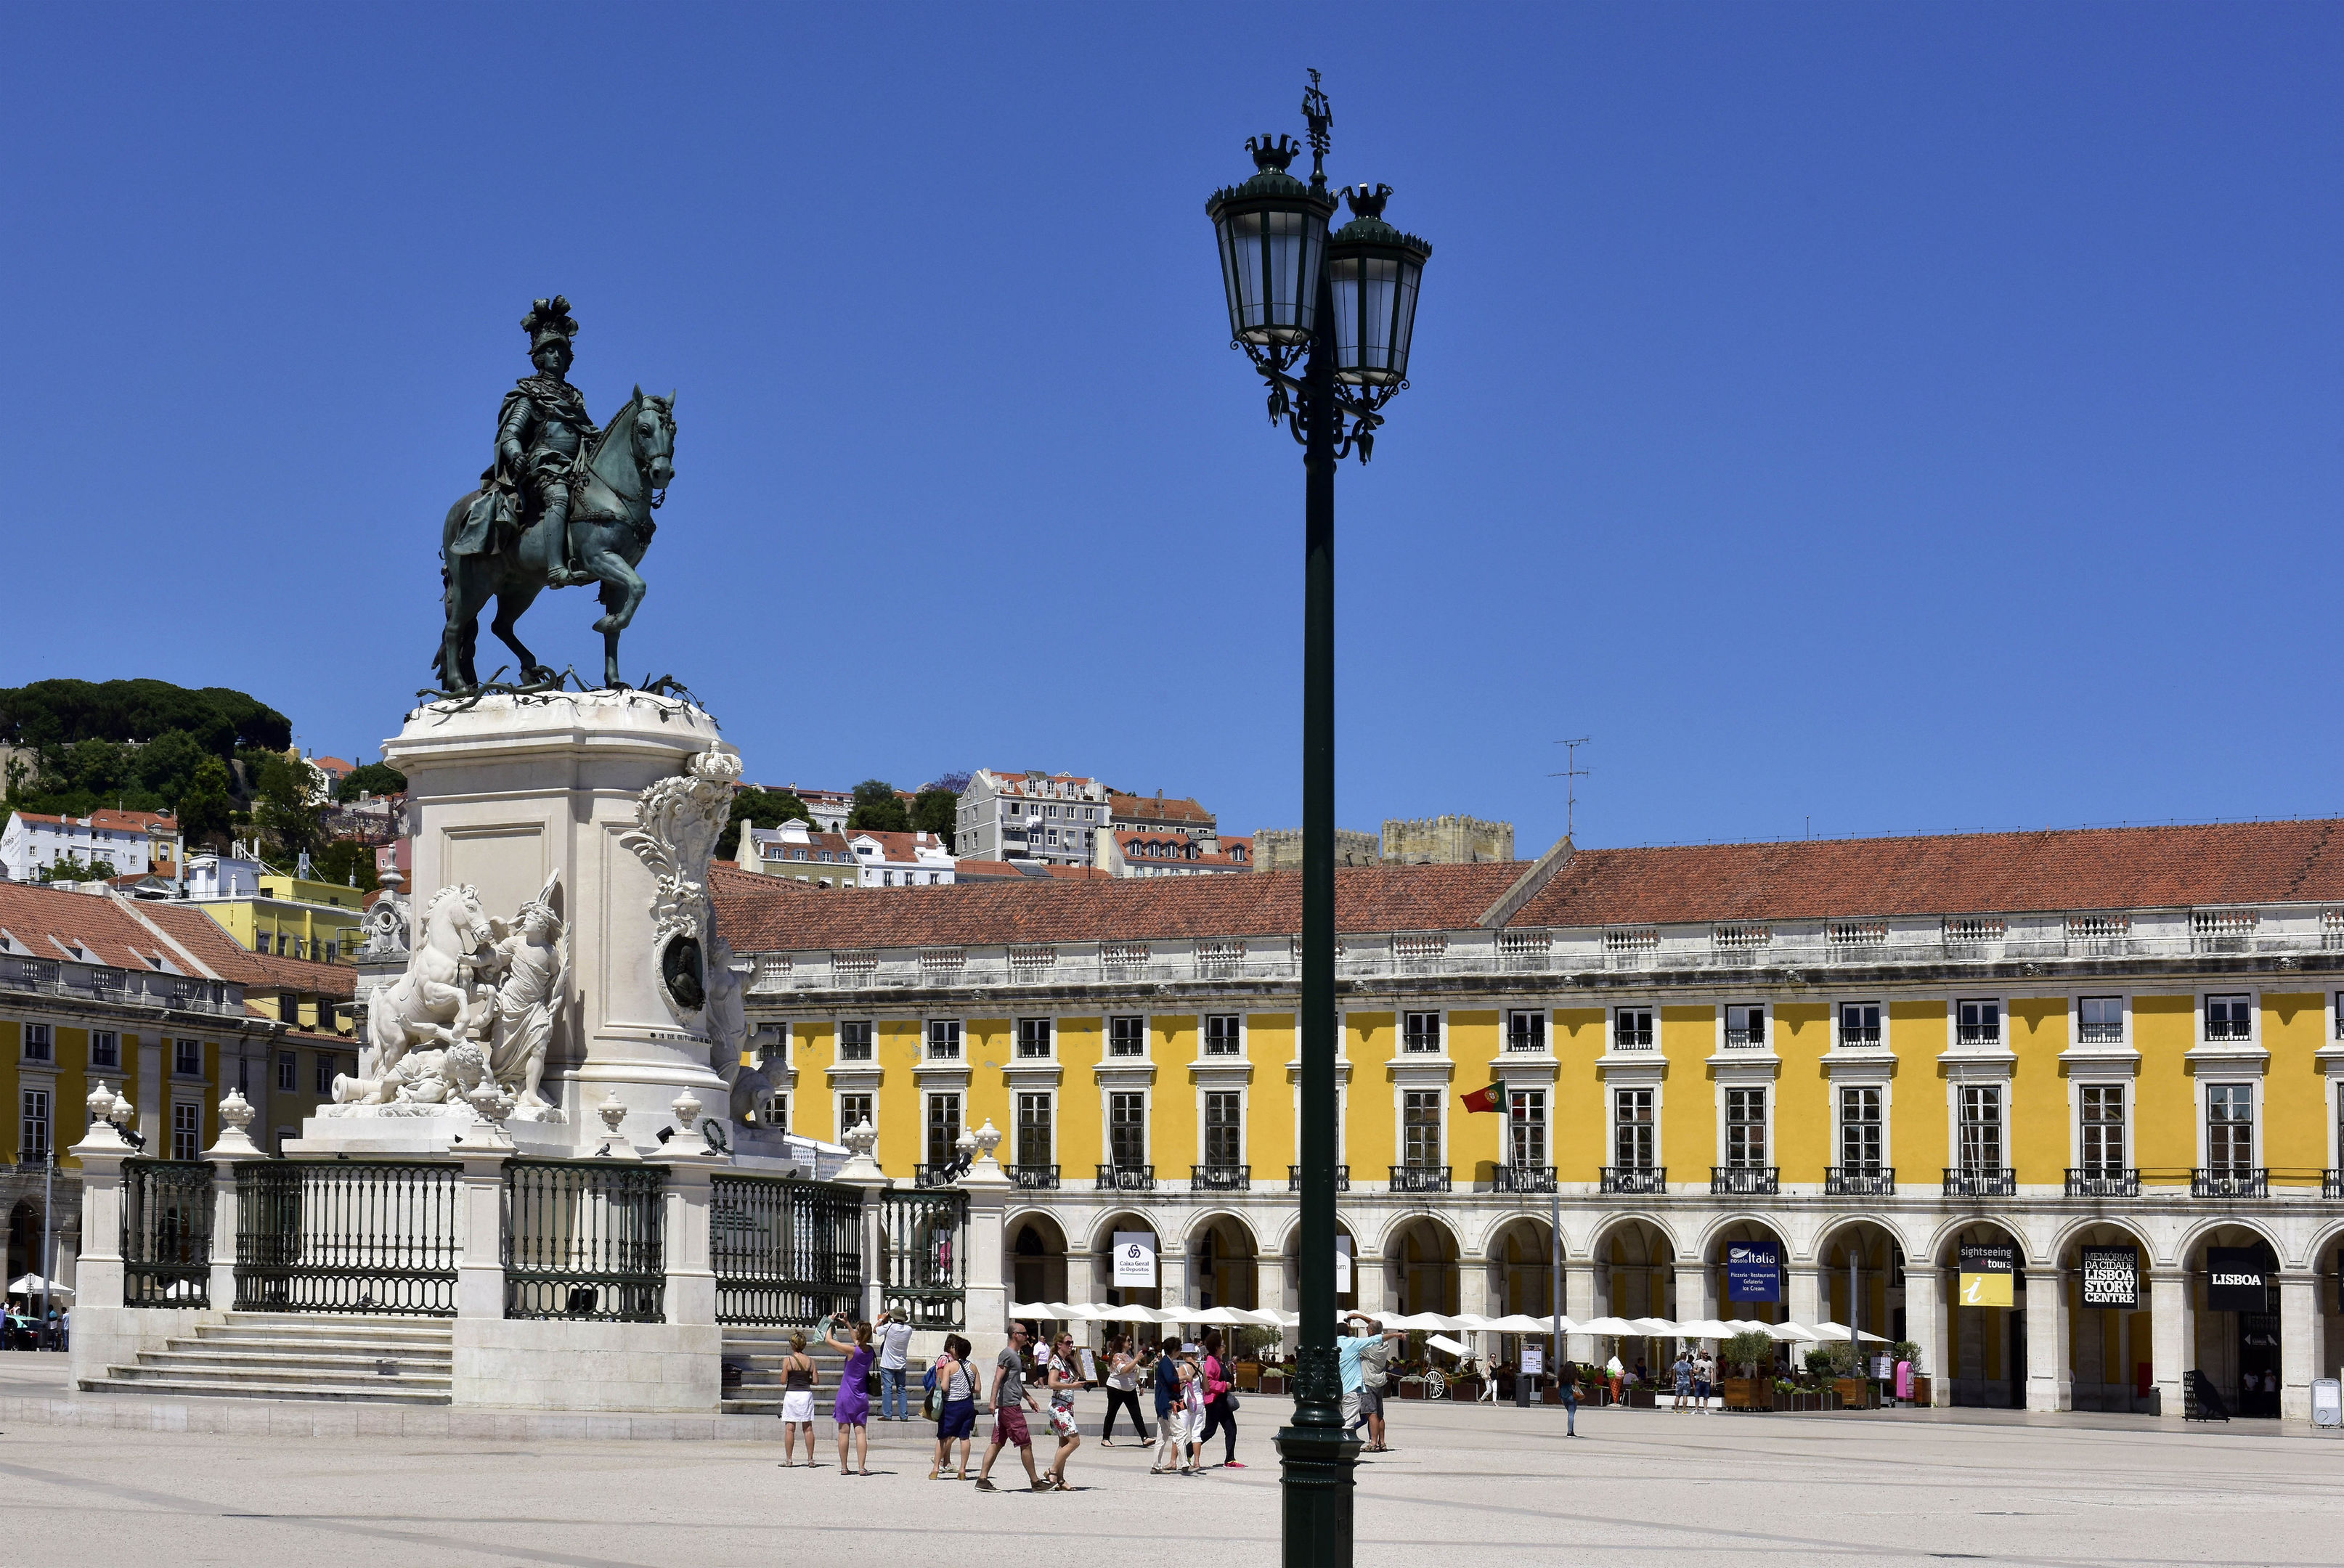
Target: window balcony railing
{"points": [[1294, 1178], [1978, 1033], [1522, 1179], [1126, 1177], [1419, 1177], [1860, 1035], [1632, 1039], [2229, 1181], [1745, 1040], [1034, 1178], [1981, 1181], [1220, 1178], [927, 1175], [2103, 1181], [2099, 1034], [1745, 1180], [1859, 1181], [2229, 1028], [1630, 1179]]}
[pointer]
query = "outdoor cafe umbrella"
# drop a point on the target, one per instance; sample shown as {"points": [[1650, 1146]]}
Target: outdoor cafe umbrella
{"points": [[1423, 1323], [33, 1286], [1792, 1332], [1610, 1328], [1837, 1333], [1707, 1329], [1655, 1328], [1752, 1326], [1523, 1323]]}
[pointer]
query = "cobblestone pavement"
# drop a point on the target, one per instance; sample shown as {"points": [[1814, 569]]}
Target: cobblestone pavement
{"points": [[1467, 1485]]}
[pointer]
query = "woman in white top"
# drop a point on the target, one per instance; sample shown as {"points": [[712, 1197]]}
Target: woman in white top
{"points": [[1122, 1389]]}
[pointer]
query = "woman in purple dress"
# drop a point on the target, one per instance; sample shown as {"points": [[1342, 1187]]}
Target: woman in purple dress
{"points": [[852, 1409]]}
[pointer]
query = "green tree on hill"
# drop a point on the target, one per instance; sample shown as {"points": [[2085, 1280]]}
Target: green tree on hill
{"points": [[346, 862], [759, 809], [937, 810], [878, 808], [374, 779]]}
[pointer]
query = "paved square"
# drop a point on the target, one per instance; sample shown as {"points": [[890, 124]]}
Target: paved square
{"points": [[1471, 1485]]}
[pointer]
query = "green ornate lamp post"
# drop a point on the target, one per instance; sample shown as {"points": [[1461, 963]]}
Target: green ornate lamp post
{"points": [[1343, 307]]}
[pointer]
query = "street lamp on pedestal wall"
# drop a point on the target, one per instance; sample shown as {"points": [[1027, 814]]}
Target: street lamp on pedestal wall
{"points": [[1342, 306]]}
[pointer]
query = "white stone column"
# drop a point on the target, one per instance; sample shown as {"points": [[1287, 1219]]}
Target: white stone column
{"points": [[1375, 1294], [1924, 1324], [233, 1147], [2170, 1350], [985, 1300], [1580, 1301], [1473, 1296], [1269, 1294], [691, 1261], [101, 1331], [2050, 1377], [1806, 1293], [2299, 1327], [480, 1260], [1081, 1268], [1693, 1294], [863, 1171], [1172, 1276]]}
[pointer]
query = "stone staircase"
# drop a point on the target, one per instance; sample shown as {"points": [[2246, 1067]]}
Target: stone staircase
{"points": [[756, 1354], [294, 1356]]}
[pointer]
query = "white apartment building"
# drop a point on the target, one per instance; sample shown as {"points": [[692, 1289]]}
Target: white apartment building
{"points": [[901, 859], [133, 843], [1050, 817], [804, 854]]}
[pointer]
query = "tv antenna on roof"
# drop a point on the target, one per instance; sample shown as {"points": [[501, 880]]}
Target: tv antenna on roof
{"points": [[1572, 774]]}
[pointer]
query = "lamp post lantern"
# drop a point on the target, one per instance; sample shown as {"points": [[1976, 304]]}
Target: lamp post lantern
{"points": [[1343, 307]]}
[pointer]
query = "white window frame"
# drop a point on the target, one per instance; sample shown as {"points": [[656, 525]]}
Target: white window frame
{"points": [[929, 1030], [1400, 1123], [841, 1126], [1886, 1090], [1244, 1131], [1017, 1097], [1839, 1023], [1766, 1123], [1611, 1028], [1049, 1052], [1765, 1025], [1146, 1093], [2129, 1087], [46, 1035], [188, 1111], [2123, 999], [2254, 1036], [2205, 1083], [2001, 1040], [1611, 1092], [2002, 1108], [1439, 1017], [180, 1043], [96, 1035], [1544, 1121], [1205, 1050], [1146, 1033], [1542, 1046]]}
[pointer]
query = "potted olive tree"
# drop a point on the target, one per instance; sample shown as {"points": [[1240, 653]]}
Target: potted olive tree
{"points": [[1750, 1350]]}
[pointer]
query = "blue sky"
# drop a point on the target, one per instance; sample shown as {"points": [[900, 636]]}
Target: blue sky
{"points": [[1856, 418]]}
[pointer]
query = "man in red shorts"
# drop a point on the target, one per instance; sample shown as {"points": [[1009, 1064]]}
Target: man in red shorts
{"points": [[1010, 1400]]}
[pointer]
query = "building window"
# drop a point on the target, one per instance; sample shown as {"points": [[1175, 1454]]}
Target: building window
{"points": [[1419, 1118], [1745, 1026], [1632, 1028], [187, 1058], [1127, 1037], [1632, 1129], [2100, 1020], [33, 1140], [1526, 1128], [1223, 1034], [1981, 1129], [1526, 1031], [2100, 1132], [325, 1074], [105, 1048], [1421, 1032], [943, 1128], [854, 1039], [2229, 1128], [1034, 1036], [944, 1040], [289, 1070], [186, 1132], [1979, 1023], [1860, 1132], [1745, 1129], [39, 1044], [1034, 1130], [1126, 1129], [2230, 1018], [854, 1110], [1223, 1119], [1859, 1023], [774, 1113]]}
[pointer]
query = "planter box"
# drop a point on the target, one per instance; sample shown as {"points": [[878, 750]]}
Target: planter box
{"points": [[1748, 1393], [1642, 1399], [1855, 1392], [1920, 1392], [1465, 1388], [1805, 1399], [1272, 1382], [1245, 1377]]}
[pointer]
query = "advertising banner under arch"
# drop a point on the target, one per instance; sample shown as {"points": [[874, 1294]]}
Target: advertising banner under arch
{"points": [[1989, 1275], [2112, 1277], [1754, 1271]]}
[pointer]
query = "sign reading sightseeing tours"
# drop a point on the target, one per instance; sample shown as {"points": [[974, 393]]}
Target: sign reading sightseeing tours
{"points": [[2112, 1277], [2237, 1280], [1135, 1259], [1989, 1273], [1754, 1271]]}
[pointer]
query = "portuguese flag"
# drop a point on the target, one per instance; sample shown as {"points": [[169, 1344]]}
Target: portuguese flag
{"points": [[1481, 1098]]}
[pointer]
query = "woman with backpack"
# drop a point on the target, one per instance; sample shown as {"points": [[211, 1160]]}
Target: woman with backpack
{"points": [[1122, 1391], [1220, 1403], [798, 1376], [953, 1388]]}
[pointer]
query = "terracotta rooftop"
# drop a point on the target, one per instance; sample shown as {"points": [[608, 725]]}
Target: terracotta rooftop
{"points": [[34, 914], [193, 928], [1157, 809], [1982, 873]]}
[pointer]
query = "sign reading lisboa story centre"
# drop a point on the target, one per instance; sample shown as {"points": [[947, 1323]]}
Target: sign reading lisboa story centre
{"points": [[2112, 1277], [1754, 1271], [1989, 1273], [1135, 1259]]}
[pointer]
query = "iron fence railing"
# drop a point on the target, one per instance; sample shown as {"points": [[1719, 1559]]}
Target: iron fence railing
{"points": [[1419, 1177], [2229, 1181], [1126, 1177], [1859, 1181], [1220, 1178], [585, 1241], [923, 1275], [1034, 1178], [347, 1236], [1635, 1179], [785, 1250], [1980, 1181], [1294, 1178], [1521, 1179], [1745, 1180], [166, 1233], [2107, 1182]]}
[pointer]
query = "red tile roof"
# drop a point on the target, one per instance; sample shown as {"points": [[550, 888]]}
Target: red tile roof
{"points": [[193, 928], [1157, 809], [2083, 868], [33, 914]]}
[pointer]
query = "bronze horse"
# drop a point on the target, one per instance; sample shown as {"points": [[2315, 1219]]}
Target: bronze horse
{"points": [[612, 496]]}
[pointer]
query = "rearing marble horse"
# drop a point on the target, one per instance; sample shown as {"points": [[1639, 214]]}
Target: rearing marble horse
{"points": [[613, 496]]}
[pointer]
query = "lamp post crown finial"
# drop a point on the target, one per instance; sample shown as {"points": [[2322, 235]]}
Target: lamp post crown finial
{"points": [[1272, 152]]}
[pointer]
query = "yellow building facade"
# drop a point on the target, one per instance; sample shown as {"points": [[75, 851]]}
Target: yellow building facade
{"points": [[2107, 1062]]}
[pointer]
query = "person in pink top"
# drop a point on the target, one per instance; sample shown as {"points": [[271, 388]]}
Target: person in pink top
{"points": [[1220, 1403]]}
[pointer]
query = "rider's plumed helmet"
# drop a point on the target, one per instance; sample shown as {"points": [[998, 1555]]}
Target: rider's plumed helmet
{"points": [[549, 321]]}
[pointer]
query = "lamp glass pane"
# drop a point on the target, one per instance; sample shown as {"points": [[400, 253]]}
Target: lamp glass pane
{"points": [[1245, 243], [1404, 319], [1380, 284], [1222, 232], [1343, 273], [1284, 247]]}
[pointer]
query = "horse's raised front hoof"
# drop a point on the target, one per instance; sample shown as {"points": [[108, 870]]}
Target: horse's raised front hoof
{"points": [[609, 623]]}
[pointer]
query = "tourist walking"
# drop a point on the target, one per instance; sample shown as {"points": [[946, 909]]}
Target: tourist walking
{"points": [[1122, 1391], [1365, 1361], [893, 1336], [797, 1400], [1062, 1375], [1705, 1378], [1171, 1408], [1010, 1402], [1680, 1380], [955, 1382], [1568, 1384], [1220, 1403], [850, 1412], [1192, 1410]]}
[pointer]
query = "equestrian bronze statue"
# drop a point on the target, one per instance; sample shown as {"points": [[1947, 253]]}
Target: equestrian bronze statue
{"points": [[564, 504]]}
